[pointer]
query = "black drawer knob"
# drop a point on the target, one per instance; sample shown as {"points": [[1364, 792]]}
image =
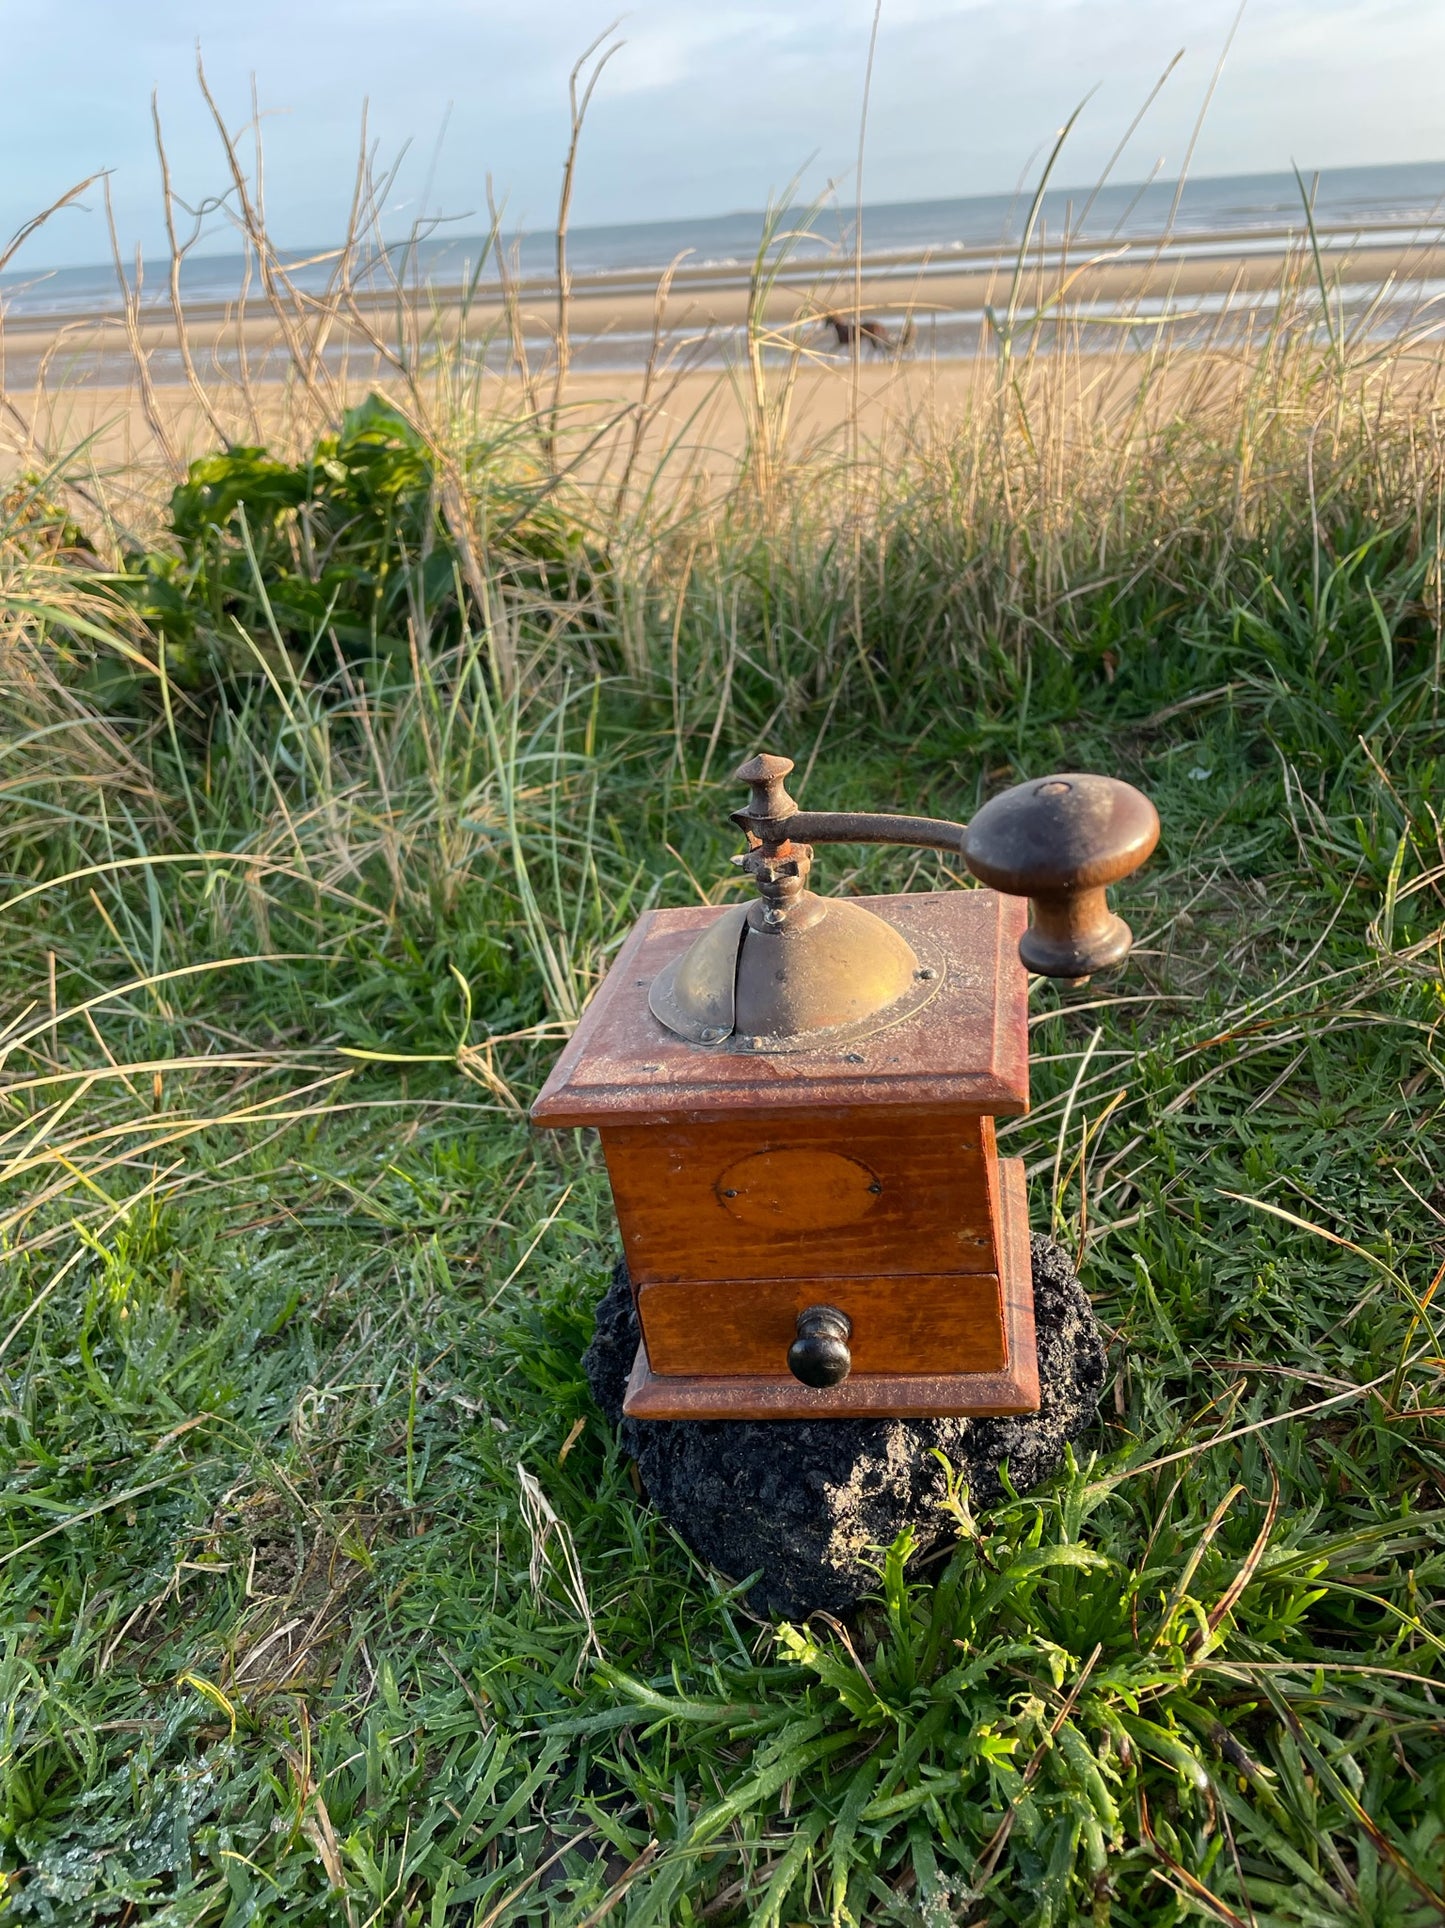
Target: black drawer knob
{"points": [[819, 1356]]}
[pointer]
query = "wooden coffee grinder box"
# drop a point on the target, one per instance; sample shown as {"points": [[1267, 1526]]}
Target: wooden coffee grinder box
{"points": [[796, 1101]]}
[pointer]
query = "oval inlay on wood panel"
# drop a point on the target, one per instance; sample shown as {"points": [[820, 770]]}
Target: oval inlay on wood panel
{"points": [[798, 1189]]}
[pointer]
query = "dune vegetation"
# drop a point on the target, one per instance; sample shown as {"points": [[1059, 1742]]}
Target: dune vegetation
{"points": [[334, 765]]}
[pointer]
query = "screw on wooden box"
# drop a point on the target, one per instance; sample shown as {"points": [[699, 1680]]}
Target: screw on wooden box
{"points": [[796, 1100]]}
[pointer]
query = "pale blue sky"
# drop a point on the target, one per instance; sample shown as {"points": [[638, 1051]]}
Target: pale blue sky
{"points": [[708, 108]]}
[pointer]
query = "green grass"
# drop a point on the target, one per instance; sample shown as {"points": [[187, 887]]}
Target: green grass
{"points": [[324, 1593]]}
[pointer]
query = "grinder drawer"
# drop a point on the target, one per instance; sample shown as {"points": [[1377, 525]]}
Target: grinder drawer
{"points": [[731, 1329]]}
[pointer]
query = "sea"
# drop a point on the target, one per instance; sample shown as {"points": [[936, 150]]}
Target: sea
{"points": [[1365, 202], [1401, 204]]}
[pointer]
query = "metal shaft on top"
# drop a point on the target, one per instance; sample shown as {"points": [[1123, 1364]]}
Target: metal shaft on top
{"points": [[773, 818]]}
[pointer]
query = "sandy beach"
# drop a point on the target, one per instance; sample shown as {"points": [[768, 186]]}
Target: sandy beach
{"points": [[698, 421], [117, 384]]}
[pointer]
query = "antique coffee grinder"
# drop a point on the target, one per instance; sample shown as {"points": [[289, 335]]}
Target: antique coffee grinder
{"points": [[796, 1100]]}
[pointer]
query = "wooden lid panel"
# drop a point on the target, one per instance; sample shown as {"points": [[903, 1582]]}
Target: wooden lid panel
{"points": [[966, 1049]]}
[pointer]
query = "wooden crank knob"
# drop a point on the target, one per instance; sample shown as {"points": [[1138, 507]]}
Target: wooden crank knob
{"points": [[819, 1356], [1061, 841]]}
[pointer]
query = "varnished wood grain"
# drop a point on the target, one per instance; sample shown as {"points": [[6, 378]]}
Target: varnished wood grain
{"points": [[787, 1196], [1014, 1388], [966, 1049], [733, 1329]]}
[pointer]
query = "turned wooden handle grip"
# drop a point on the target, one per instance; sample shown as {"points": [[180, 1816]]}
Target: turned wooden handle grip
{"points": [[1061, 841], [819, 1356]]}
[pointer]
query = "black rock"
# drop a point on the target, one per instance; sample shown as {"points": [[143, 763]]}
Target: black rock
{"points": [[807, 1502]]}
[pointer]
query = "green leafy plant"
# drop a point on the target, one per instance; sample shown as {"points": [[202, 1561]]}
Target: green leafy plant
{"points": [[372, 546]]}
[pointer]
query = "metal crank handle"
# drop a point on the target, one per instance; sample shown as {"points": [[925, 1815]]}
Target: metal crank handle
{"points": [[1060, 841]]}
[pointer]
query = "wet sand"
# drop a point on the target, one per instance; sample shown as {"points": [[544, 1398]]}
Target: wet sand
{"points": [[626, 309]]}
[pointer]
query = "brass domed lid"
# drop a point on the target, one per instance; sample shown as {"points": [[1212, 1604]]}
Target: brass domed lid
{"points": [[828, 974], [790, 971]]}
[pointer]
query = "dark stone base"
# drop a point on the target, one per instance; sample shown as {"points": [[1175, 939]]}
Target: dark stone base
{"points": [[808, 1501]]}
